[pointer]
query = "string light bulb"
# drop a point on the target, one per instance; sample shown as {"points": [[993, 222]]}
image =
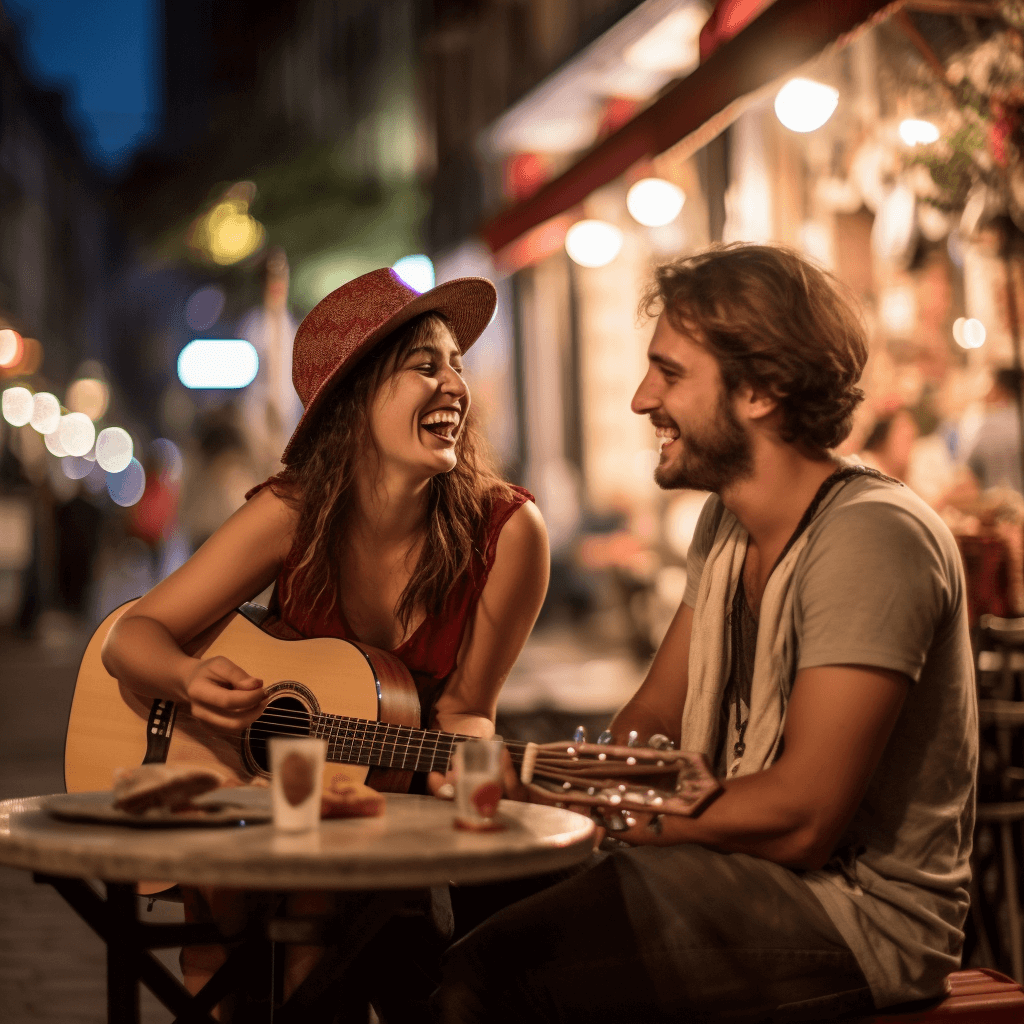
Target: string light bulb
{"points": [[804, 105]]}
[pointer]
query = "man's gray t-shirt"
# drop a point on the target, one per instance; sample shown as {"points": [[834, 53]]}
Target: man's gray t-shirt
{"points": [[880, 584]]}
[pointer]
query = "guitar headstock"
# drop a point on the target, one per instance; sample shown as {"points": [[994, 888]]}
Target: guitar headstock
{"points": [[626, 778]]}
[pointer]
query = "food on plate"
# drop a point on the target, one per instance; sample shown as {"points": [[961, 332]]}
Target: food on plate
{"points": [[137, 790], [344, 799]]}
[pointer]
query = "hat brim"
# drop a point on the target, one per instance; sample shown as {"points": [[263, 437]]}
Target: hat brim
{"points": [[467, 303]]}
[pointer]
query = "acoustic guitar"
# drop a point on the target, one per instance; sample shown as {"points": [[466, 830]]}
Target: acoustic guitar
{"points": [[363, 702]]}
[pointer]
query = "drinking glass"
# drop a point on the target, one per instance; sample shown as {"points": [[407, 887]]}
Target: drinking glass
{"points": [[478, 787], [297, 775]]}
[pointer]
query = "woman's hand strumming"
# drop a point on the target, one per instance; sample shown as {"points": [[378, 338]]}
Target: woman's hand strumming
{"points": [[223, 696]]}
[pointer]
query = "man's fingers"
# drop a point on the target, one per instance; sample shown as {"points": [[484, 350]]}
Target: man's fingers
{"points": [[438, 784]]}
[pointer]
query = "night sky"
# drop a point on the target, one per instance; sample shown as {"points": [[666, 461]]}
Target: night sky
{"points": [[104, 56]]}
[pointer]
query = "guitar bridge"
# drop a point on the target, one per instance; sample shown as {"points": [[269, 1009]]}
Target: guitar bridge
{"points": [[159, 727]]}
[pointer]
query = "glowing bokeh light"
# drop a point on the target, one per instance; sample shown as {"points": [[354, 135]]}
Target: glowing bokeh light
{"points": [[958, 330], [231, 234], [114, 449], [593, 243], [10, 347], [918, 133], [77, 433], [45, 413], [897, 309], [126, 487], [803, 105], [416, 271], [654, 202], [969, 333], [31, 357], [974, 333], [204, 307], [209, 363], [17, 406], [53, 445], [88, 396], [76, 468]]}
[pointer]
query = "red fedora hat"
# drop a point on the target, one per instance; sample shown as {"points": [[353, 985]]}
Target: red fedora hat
{"points": [[351, 320]]}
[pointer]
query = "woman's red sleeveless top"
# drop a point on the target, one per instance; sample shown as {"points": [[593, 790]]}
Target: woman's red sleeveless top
{"points": [[429, 653]]}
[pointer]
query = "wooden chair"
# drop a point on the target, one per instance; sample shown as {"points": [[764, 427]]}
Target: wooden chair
{"points": [[1000, 810], [974, 997]]}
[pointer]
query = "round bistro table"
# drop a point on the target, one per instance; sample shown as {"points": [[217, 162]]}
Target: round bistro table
{"points": [[414, 845]]}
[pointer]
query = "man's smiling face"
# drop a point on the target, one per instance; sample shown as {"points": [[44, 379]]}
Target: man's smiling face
{"points": [[704, 446]]}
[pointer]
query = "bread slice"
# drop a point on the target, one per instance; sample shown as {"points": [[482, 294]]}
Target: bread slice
{"points": [[171, 786], [343, 799]]}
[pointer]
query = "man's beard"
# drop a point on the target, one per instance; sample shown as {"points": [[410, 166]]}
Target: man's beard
{"points": [[710, 459]]}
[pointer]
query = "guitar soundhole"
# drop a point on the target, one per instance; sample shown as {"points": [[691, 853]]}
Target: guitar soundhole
{"points": [[286, 716]]}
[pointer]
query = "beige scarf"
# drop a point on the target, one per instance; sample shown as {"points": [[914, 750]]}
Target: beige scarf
{"points": [[711, 648]]}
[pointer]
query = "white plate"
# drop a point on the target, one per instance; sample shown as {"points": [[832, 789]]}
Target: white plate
{"points": [[229, 806]]}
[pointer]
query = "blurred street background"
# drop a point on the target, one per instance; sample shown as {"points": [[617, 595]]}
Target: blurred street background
{"points": [[181, 182]]}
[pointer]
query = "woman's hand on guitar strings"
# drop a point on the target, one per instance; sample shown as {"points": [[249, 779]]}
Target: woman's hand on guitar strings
{"points": [[223, 696]]}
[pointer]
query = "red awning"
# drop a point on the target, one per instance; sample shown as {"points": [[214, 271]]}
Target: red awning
{"points": [[780, 39]]}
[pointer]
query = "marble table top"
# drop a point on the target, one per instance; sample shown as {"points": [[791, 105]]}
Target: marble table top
{"points": [[413, 844]]}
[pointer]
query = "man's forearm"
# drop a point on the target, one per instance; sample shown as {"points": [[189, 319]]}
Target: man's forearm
{"points": [[758, 814]]}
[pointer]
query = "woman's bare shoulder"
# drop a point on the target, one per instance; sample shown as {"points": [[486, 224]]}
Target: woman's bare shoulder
{"points": [[277, 503], [524, 536], [525, 523]]}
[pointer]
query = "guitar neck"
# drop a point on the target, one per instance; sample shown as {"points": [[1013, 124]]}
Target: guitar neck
{"points": [[380, 745]]}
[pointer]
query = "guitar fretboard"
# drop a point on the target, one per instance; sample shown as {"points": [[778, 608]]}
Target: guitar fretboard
{"points": [[380, 745]]}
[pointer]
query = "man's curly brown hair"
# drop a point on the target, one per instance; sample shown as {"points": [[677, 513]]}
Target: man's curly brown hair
{"points": [[776, 322]]}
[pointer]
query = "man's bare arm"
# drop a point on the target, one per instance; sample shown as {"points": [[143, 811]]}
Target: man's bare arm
{"points": [[839, 719]]}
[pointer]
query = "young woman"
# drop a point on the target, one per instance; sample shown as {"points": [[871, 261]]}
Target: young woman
{"points": [[385, 526]]}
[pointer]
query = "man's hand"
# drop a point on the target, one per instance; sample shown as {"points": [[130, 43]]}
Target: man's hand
{"points": [[224, 697]]}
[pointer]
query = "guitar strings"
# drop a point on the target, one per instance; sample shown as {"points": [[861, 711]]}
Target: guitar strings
{"points": [[286, 716], [554, 765]]}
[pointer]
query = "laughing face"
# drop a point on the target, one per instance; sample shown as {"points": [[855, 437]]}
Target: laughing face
{"points": [[704, 447], [419, 412]]}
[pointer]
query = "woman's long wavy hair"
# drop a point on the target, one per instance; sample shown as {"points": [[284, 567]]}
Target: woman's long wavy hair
{"points": [[319, 483]]}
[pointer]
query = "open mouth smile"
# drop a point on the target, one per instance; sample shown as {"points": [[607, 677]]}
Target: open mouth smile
{"points": [[443, 424], [666, 435]]}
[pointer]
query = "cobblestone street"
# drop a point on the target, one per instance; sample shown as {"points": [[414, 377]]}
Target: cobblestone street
{"points": [[52, 965]]}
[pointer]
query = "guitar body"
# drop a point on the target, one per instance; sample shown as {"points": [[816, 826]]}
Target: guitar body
{"points": [[112, 727]]}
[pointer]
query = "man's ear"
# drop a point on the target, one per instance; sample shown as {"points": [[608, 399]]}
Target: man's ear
{"points": [[754, 405]]}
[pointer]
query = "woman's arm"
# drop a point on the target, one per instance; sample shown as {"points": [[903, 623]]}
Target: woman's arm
{"points": [[508, 607], [144, 648]]}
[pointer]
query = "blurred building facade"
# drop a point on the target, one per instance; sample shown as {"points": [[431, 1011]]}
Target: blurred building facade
{"points": [[56, 263], [910, 192]]}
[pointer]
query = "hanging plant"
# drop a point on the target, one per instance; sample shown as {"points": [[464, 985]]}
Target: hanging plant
{"points": [[983, 143]]}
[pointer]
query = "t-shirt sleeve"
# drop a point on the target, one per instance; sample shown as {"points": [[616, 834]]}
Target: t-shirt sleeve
{"points": [[703, 537], [873, 589]]}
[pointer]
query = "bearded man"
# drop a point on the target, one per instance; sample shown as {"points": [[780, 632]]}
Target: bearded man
{"points": [[820, 659]]}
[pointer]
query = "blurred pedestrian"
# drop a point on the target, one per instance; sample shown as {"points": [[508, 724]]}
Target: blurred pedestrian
{"points": [[889, 445], [994, 456]]}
